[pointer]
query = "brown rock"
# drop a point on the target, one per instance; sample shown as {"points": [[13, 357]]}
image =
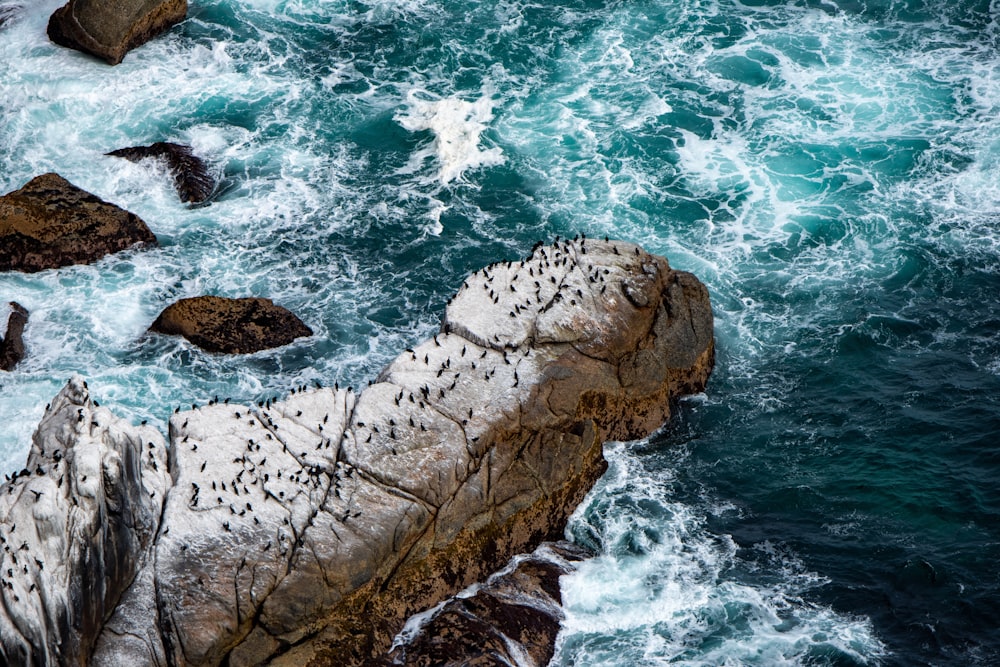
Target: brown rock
{"points": [[51, 223], [110, 29], [517, 612], [12, 345], [232, 326]]}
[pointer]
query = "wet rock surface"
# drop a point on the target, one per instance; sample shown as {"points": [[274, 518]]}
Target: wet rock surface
{"points": [[306, 531], [191, 176], [109, 30], [8, 12], [233, 326], [12, 344], [50, 223], [511, 619], [75, 524]]}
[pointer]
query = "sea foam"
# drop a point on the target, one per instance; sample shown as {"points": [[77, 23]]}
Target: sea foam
{"points": [[458, 126], [665, 589]]}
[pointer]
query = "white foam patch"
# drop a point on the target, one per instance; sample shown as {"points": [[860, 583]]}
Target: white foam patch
{"points": [[665, 590], [457, 125]]}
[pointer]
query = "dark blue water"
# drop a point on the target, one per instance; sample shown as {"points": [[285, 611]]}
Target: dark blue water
{"points": [[828, 169]]}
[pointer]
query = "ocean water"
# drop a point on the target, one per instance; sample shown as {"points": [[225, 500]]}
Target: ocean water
{"points": [[829, 168]]}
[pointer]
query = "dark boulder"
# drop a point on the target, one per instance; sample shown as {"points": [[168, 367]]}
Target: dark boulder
{"points": [[109, 30], [515, 613], [51, 223], [192, 179], [12, 345], [232, 326]]}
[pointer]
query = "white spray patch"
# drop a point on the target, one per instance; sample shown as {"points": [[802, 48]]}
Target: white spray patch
{"points": [[666, 590], [457, 125]]}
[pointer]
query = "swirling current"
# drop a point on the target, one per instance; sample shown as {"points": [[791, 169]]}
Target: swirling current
{"points": [[829, 168]]}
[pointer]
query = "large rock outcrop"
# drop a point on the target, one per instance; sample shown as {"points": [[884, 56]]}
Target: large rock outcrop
{"points": [[109, 30], [192, 180], [12, 344], [51, 223], [232, 326], [306, 531], [76, 524]]}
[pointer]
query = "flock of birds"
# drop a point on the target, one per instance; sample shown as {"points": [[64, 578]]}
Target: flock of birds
{"points": [[435, 387]]}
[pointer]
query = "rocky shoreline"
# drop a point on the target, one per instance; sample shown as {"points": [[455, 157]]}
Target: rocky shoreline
{"points": [[306, 531]]}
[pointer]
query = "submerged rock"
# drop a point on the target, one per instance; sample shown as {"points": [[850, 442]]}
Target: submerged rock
{"points": [[192, 179], [8, 12], [232, 326], [109, 30], [12, 344], [51, 223], [308, 530]]}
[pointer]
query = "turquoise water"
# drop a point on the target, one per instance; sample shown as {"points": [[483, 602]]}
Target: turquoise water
{"points": [[828, 169]]}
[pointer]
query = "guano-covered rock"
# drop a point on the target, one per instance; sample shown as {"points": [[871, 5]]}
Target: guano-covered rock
{"points": [[307, 530]]}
